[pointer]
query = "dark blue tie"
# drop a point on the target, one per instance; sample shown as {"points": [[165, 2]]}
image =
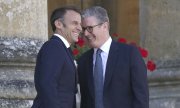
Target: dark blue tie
{"points": [[71, 53], [98, 80]]}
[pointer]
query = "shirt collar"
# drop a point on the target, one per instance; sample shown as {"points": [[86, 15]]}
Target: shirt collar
{"points": [[63, 39], [106, 46]]}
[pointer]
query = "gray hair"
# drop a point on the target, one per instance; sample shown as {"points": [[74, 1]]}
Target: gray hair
{"points": [[98, 12]]}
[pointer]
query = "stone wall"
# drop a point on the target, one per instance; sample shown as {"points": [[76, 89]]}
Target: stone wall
{"points": [[160, 30], [17, 61], [23, 29], [23, 18]]}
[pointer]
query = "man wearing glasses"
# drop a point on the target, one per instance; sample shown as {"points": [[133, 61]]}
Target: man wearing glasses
{"points": [[111, 74]]}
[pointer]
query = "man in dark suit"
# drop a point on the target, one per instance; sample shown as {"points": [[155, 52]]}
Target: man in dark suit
{"points": [[111, 74], [55, 72]]}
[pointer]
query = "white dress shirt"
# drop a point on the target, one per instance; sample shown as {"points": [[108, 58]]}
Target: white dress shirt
{"points": [[104, 54], [63, 39]]}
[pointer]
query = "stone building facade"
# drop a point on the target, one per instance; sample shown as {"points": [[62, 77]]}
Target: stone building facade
{"points": [[153, 24]]}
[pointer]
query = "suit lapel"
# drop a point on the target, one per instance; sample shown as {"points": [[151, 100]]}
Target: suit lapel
{"points": [[71, 57], [68, 53], [112, 58]]}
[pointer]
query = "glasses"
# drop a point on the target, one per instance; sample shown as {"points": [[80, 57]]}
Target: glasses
{"points": [[90, 28]]}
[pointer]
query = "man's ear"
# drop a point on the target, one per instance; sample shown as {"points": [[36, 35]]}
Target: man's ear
{"points": [[58, 24], [106, 25]]}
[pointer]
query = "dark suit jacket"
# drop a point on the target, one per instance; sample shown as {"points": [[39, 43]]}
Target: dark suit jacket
{"points": [[54, 76], [125, 84]]}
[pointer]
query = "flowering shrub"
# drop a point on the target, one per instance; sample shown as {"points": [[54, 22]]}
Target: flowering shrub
{"points": [[80, 48]]}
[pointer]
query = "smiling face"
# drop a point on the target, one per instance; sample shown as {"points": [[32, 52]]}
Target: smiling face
{"points": [[94, 32], [70, 27]]}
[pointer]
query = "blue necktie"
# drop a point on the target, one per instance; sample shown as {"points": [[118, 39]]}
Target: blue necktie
{"points": [[98, 80]]}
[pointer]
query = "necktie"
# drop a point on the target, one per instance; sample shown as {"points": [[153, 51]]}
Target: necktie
{"points": [[98, 80], [69, 49]]}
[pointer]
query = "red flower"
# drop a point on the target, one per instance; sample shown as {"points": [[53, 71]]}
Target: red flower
{"points": [[122, 40], [80, 42], [143, 52], [151, 65], [115, 34], [75, 52]]}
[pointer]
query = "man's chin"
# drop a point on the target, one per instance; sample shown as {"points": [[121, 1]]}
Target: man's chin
{"points": [[90, 45], [76, 40], [93, 45]]}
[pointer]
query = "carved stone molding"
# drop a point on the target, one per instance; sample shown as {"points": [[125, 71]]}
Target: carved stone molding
{"points": [[19, 49]]}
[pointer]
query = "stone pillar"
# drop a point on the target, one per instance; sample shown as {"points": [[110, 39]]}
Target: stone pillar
{"points": [[160, 30], [23, 29]]}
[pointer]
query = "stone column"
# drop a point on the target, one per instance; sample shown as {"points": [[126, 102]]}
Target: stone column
{"points": [[160, 30], [23, 29]]}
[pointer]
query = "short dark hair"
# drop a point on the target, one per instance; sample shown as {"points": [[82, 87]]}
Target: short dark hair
{"points": [[59, 13]]}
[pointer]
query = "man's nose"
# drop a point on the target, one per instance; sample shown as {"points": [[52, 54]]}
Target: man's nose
{"points": [[85, 32]]}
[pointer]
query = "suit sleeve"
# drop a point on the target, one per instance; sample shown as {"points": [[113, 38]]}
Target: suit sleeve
{"points": [[139, 80], [49, 67]]}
